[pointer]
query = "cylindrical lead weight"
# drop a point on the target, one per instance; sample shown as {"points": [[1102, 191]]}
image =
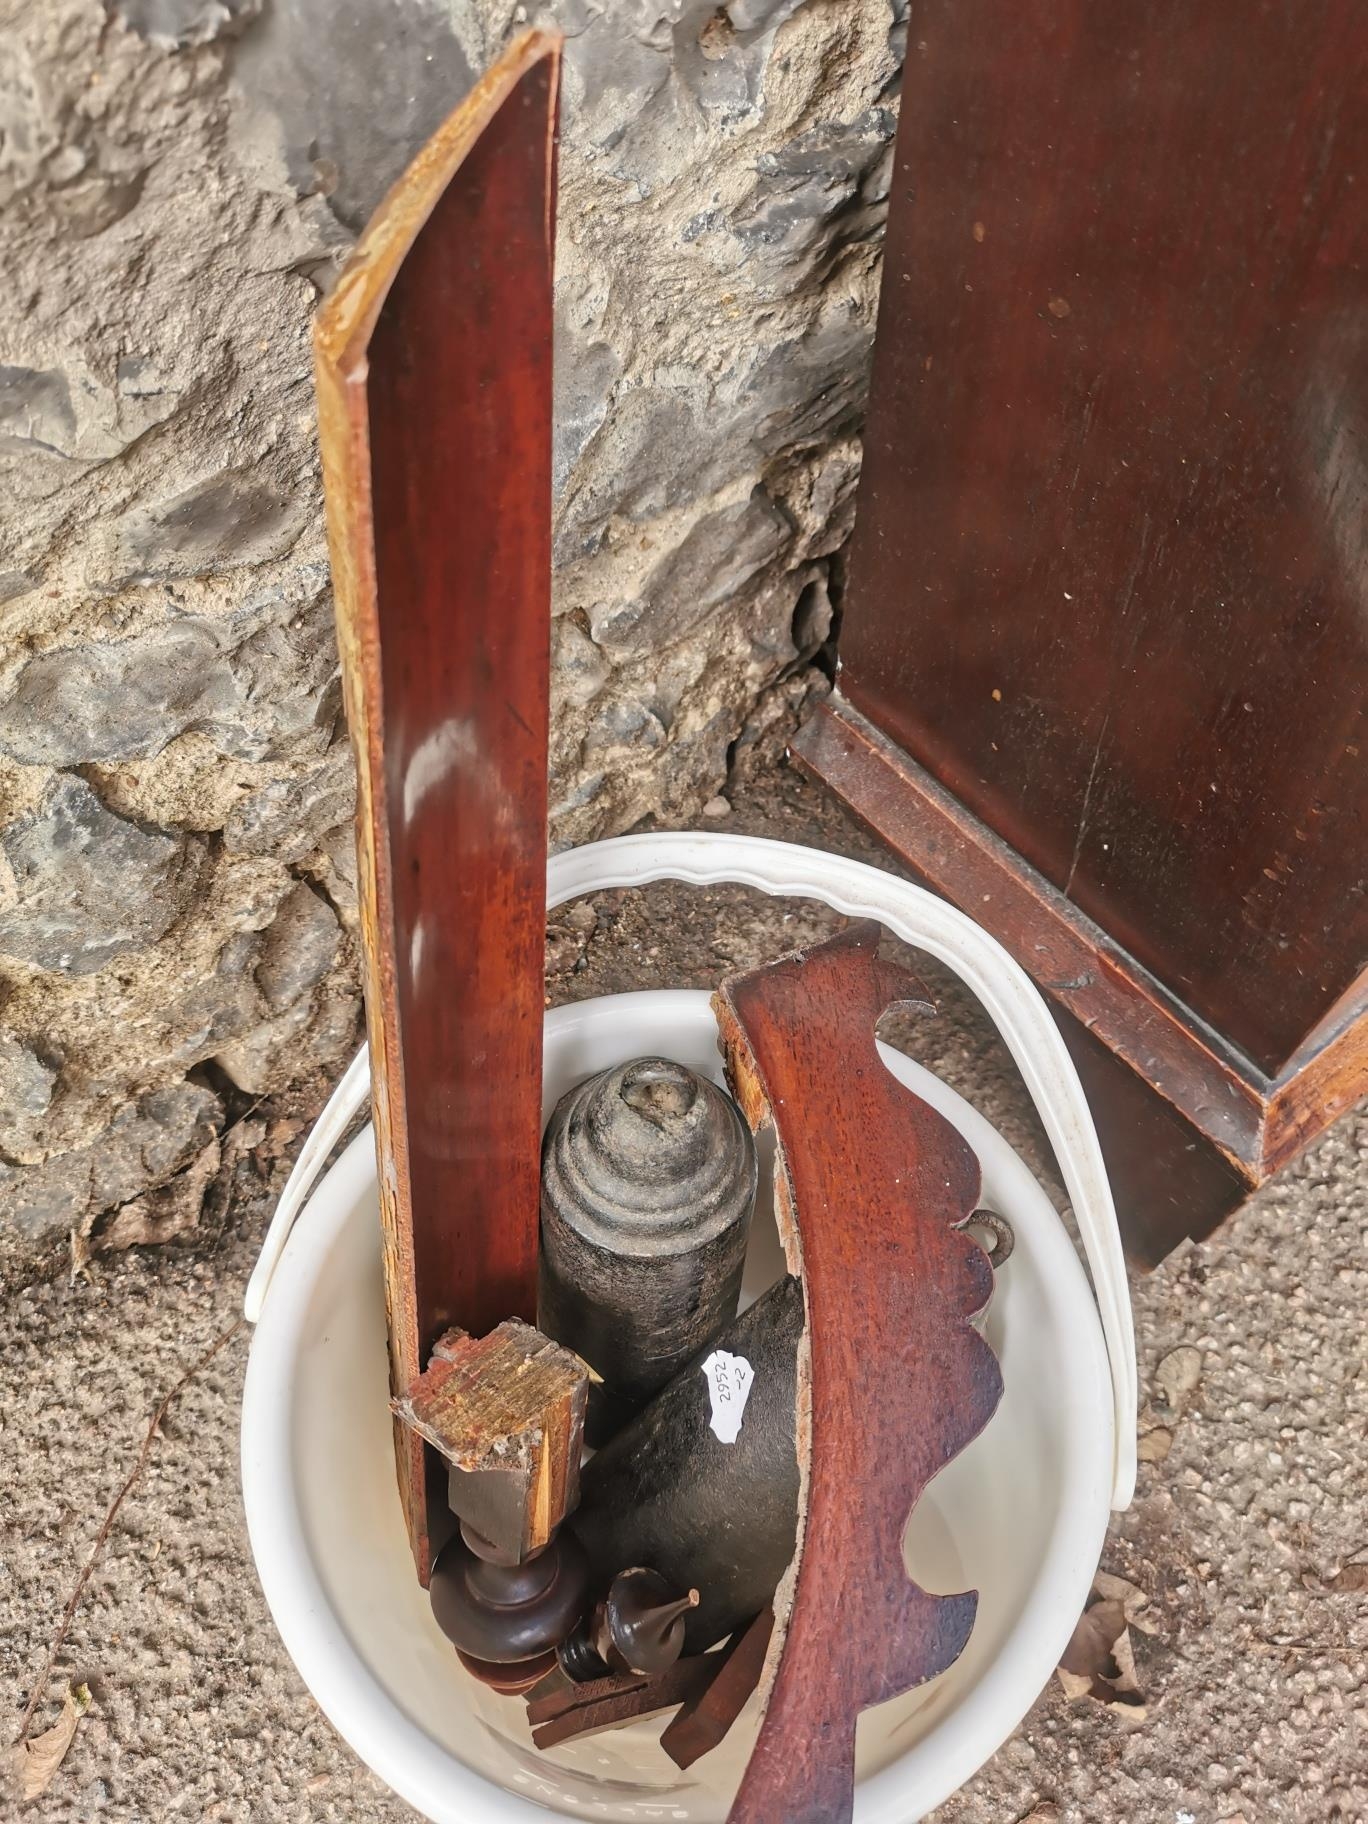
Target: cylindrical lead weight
{"points": [[648, 1180]]}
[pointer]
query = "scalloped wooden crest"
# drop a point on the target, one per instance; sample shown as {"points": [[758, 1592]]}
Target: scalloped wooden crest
{"points": [[872, 1189]]}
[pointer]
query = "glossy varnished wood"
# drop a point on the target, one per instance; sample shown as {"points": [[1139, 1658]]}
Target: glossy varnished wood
{"points": [[433, 362], [872, 1186], [1109, 569], [1190, 1127]]}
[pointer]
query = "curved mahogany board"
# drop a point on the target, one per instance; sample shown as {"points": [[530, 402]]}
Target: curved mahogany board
{"points": [[872, 1187], [433, 367]]}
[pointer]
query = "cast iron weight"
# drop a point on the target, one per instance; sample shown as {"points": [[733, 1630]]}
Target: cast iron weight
{"points": [[711, 1506], [648, 1179]]}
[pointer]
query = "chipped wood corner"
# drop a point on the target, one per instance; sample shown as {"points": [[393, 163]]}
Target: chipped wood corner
{"points": [[506, 1413], [342, 329]]}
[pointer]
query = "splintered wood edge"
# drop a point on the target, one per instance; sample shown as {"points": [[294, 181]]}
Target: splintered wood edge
{"points": [[342, 333], [747, 1086], [511, 1402]]}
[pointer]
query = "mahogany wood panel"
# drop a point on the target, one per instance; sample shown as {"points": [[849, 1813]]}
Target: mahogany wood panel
{"points": [[433, 362], [1189, 1127], [1109, 567], [1169, 1181], [872, 1187], [1071, 958]]}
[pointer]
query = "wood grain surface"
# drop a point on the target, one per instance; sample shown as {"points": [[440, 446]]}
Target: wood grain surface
{"points": [[433, 366], [1108, 573], [1109, 568], [871, 1189], [1190, 1127], [703, 1722], [505, 1412]]}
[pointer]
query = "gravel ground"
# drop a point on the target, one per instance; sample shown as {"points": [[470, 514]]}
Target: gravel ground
{"points": [[1248, 1636]]}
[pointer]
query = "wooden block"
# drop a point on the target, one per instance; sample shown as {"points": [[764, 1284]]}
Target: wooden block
{"points": [[555, 1696], [872, 1190], [506, 1412]]}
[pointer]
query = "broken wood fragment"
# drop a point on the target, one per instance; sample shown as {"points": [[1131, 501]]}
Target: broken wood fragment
{"points": [[873, 1188], [506, 1413], [433, 370]]}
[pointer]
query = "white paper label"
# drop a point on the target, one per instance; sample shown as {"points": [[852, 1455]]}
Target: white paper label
{"points": [[729, 1379]]}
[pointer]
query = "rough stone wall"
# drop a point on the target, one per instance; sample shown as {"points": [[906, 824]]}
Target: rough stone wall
{"points": [[178, 182]]}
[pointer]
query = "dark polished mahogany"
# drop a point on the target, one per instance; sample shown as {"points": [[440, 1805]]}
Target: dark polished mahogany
{"points": [[434, 380], [1109, 579], [872, 1189]]}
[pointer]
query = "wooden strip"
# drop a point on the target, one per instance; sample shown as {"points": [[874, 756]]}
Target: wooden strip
{"points": [[1071, 959], [557, 1695], [683, 1680], [702, 1723], [433, 366], [1328, 1076], [872, 1189]]}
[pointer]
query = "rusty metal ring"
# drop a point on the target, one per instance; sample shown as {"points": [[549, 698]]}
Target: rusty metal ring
{"points": [[1004, 1237]]}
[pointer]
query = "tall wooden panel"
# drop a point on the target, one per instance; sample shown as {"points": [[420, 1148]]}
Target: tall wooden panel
{"points": [[434, 383], [1109, 582]]}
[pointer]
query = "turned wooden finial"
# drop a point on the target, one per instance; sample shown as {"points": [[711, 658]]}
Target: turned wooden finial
{"points": [[506, 1412], [638, 1627]]}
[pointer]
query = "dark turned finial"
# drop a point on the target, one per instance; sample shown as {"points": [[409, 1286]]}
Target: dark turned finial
{"points": [[638, 1627], [648, 1178], [507, 1619]]}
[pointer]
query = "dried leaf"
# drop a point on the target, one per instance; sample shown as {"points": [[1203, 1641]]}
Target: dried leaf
{"points": [[1154, 1446], [272, 1140], [1073, 1684], [1044, 1812], [1116, 1589], [1124, 1655], [1099, 1661], [33, 1764], [1349, 1580], [1178, 1376], [1132, 1598], [1089, 1652], [162, 1213], [1129, 1712]]}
